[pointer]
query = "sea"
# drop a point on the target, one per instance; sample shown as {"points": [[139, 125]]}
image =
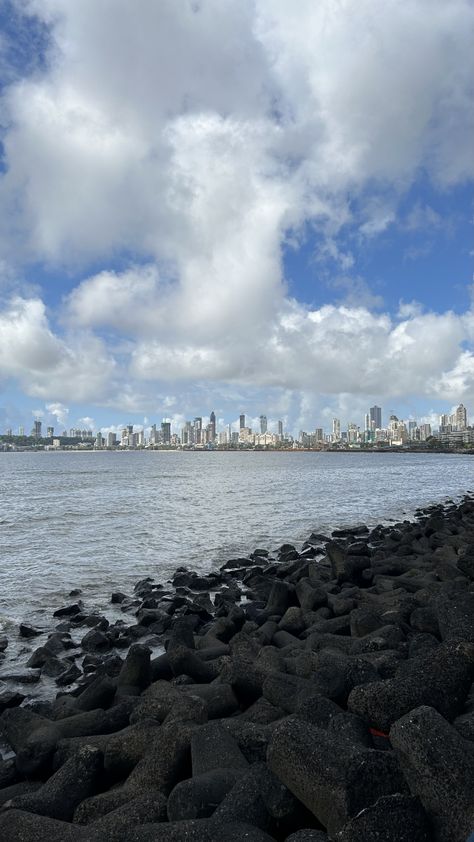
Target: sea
{"points": [[100, 521]]}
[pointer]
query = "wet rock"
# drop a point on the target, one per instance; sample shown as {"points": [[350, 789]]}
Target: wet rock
{"points": [[96, 641], [307, 835], [69, 610], [68, 676], [28, 631], [439, 767], [10, 699]]}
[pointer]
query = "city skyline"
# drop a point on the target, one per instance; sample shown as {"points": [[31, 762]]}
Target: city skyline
{"points": [[261, 215], [207, 428]]}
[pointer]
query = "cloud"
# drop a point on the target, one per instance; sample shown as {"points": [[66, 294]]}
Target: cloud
{"points": [[60, 412], [191, 142], [77, 368]]}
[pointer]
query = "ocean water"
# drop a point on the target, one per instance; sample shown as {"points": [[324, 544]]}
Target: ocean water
{"points": [[101, 521]]}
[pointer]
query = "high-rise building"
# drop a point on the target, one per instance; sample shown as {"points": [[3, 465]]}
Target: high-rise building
{"points": [[212, 426], [336, 429], [111, 439], [36, 431], [21, 431], [166, 432], [198, 430], [318, 434], [376, 416], [50, 432], [99, 441], [263, 424], [367, 422], [242, 421], [460, 418], [280, 429]]}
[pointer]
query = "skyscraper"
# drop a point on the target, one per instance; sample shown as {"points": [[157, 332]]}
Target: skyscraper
{"points": [[242, 422], [50, 432], [166, 432], [263, 424], [376, 416], [280, 429], [212, 426], [36, 431], [460, 417], [198, 430], [336, 429]]}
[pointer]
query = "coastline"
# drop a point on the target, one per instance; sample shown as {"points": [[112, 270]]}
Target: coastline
{"points": [[360, 643]]}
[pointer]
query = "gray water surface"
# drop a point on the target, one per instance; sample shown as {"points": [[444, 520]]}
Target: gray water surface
{"points": [[100, 521]]}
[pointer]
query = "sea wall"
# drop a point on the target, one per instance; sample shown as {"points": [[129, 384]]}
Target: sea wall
{"points": [[321, 694]]}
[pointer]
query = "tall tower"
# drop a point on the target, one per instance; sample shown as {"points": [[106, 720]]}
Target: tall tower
{"points": [[376, 416], [336, 429], [263, 424], [460, 417], [36, 432], [212, 425], [280, 429], [242, 421], [198, 430]]}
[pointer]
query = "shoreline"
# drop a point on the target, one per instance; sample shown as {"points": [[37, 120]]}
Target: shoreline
{"points": [[351, 643]]}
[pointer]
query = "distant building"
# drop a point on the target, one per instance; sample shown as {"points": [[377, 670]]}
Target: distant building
{"points": [[212, 427], [280, 429], [166, 432], [459, 418], [336, 429], [36, 431], [241, 422], [111, 439], [376, 417], [263, 424], [50, 432], [21, 431], [99, 441]]}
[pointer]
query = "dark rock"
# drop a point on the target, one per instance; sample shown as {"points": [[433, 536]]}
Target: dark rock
{"points": [[120, 825], [439, 767], [96, 641], [98, 694], [28, 631], [441, 679], [456, 616], [20, 826], [333, 782], [118, 597], [184, 661], [393, 818], [61, 794], [198, 797], [68, 610], [69, 676], [213, 748], [307, 835], [135, 672], [10, 699]]}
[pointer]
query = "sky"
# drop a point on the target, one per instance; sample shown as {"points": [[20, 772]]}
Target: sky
{"points": [[252, 206]]}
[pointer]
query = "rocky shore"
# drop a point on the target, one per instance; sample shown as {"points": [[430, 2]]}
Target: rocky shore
{"points": [[318, 695]]}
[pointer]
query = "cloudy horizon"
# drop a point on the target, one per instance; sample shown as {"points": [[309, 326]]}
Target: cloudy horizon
{"points": [[250, 206]]}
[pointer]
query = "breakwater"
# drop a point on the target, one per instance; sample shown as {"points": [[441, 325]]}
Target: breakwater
{"points": [[319, 694]]}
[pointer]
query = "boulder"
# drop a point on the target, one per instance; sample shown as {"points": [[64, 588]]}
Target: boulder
{"points": [[439, 767], [333, 781]]}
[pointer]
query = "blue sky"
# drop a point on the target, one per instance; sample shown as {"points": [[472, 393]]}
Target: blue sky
{"points": [[238, 207]]}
